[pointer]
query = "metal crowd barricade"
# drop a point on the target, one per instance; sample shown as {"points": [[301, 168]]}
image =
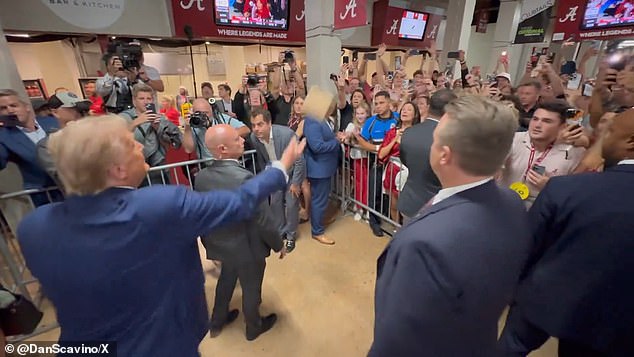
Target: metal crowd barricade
{"points": [[14, 273], [183, 173], [369, 185]]}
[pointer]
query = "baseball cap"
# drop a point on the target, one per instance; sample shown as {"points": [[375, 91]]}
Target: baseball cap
{"points": [[68, 100], [504, 75]]}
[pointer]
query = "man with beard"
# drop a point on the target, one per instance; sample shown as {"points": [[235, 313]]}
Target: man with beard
{"points": [[577, 283]]}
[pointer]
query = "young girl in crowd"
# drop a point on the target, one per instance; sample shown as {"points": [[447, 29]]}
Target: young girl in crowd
{"points": [[359, 157], [390, 147], [296, 123]]}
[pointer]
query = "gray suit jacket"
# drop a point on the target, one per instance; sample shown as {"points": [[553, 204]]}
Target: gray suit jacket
{"points": [[282, 136], [422, 183], [242, 242]]}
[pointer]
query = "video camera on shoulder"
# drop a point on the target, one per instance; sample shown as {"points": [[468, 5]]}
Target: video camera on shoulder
{"points": [[129, 55]]}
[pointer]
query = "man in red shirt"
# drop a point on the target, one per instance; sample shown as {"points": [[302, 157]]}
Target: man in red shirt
{"points": [[97, 102]]}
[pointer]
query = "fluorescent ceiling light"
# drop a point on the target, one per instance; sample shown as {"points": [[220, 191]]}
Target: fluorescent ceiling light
{"points": [[25, 35]]}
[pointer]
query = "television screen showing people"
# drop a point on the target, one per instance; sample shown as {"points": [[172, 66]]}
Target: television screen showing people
{"points": [[413, 25], [608, 13], [271, 14]]}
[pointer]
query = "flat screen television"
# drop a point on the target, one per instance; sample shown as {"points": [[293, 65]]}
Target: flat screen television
{"points": [[608, 13], [413, 25], [267, 14]]}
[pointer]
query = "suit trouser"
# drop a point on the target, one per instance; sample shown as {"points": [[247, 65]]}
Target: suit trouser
{"points": [[375, 195], [250, 275], [286, 209], [320, 189]]}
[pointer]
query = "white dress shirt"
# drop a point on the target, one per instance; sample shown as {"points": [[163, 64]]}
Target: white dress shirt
{"points": [[445, 193], [269, 146], [626, 162]]}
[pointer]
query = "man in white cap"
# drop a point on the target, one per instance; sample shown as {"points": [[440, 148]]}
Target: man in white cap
{"points": [[66, 107]]}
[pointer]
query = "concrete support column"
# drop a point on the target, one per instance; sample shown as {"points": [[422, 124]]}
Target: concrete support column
{"points": [[9, 76], [323, 46], [505, 30], [458, 30]]}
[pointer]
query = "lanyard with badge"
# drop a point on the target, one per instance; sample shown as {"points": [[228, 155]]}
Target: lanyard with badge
{"points": [[520, 187]]}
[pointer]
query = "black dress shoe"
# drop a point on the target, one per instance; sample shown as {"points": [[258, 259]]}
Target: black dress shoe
{"points": [[215, 329], [289, 244], [267, 324], [377, 231]]}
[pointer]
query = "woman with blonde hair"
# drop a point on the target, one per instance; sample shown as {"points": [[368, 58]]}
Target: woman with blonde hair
{"points": [[168, 108]]}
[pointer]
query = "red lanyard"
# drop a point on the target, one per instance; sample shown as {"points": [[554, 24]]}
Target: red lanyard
{"points": [[539, 159]]}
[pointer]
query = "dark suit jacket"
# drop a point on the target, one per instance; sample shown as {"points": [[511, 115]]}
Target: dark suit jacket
{"points": [[579, 282], [242, 242], [15, 146], [422, 183], [445, 278], [123, 265], [282, 136], [322, 149]]}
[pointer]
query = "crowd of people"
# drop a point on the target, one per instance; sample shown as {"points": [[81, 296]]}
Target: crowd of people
{"points": [[439, 156]]}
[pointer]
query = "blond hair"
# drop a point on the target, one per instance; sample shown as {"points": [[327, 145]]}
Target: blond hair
{"points": [[84, 150], [480, 131], [170, 99], [141, 87], [368, 112]]}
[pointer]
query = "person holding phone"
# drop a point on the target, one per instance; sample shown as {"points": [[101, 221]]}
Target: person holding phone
{"points": [[152, 130], [20, 131], [537, 155]]}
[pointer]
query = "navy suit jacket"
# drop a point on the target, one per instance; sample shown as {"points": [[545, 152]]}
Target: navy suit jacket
{"points": [[322, 149], [445, 278], [579, 282], [16, 147], [123, 265]]}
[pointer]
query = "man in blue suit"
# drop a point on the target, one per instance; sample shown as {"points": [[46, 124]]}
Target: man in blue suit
{"points": [[445, 278], [577, 285], [18, 143], [322, 157], [122, 264]]}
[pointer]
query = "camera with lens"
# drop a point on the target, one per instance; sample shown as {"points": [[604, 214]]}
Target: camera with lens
{"points": [[289, 56], [199, 120], [252, 81], [129, 55]]}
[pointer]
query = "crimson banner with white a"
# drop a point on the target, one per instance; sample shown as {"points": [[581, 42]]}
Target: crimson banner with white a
{"points": [[350, 13]]}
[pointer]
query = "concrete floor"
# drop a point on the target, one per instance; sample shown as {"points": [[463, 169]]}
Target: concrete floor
{"points": [[323, 296]]}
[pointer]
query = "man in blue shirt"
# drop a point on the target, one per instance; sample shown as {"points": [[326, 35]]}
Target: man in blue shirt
{"points": [[122, 264], [370, 139], [194, 137]]}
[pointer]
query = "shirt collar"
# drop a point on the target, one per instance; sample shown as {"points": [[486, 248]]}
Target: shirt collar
{"points": [[626, 162], [234, 160], [270, 137], [445, 193], [432, 119], [37, 127]]}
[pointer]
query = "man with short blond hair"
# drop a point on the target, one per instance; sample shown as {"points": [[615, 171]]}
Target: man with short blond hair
{"points": [[446, 277], [132, 253]]}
